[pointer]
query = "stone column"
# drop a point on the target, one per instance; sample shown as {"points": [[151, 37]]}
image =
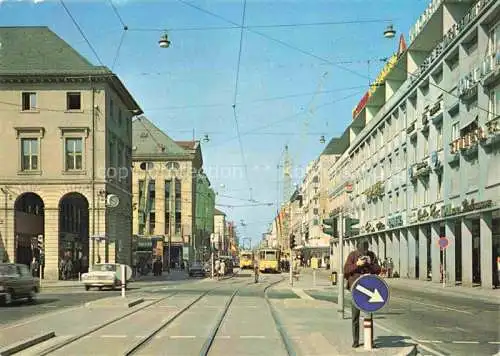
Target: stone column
{"points": [[412, 252], [395, 247], [451, 278], [486, 250], [51, 236], [374, 246], [466, 252], [381, 246], [435, 253], [422, 252], [403, 253], [389, 250]]}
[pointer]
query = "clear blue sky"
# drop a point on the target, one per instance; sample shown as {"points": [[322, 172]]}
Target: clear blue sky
{"points": [[192, 83]]}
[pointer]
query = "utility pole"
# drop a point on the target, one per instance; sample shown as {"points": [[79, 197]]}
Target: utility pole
{"points": [[341, 265]]}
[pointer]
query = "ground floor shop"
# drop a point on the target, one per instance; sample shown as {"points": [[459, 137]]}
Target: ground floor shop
{"points": [[66, 228], [469, 257]]}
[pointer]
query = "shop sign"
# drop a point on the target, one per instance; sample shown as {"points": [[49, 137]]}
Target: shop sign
{"points": [[395, 221], [467, 206], [413, 218], [380, 226]]}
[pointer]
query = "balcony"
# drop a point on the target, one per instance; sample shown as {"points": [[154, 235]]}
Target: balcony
{"points": [[468, 85], [492, 135], [421, 170], [425, 120], [490, 69], [436, 111], [450, 36]]}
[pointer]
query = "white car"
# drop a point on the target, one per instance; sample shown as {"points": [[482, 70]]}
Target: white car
{"points": [[104, 275]]}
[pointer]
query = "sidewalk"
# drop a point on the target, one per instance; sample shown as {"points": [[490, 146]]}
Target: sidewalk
{"points": [[315, 328], [484, 294]]}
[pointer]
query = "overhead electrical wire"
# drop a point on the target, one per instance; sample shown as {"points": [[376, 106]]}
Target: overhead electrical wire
{"points": [[235, 96], [81, 32], [236, 27], [312, 55]]}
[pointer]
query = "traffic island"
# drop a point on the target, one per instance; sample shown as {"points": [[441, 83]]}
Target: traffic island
{"points": [[26, 343], [114, 302]]}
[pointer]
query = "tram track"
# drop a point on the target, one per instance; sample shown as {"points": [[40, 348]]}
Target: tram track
{"points": [[72, 340]]}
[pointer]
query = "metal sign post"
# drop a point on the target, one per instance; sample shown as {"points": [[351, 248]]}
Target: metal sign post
{"points": [[443, 243], [291, 268], [370, 293], [124, 279], [341, 265]]}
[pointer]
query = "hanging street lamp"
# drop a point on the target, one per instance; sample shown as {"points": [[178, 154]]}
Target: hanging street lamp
{"points": [[164, 42], [389, 32]]}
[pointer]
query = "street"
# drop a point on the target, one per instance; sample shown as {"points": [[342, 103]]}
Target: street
{"points": [[449, 325], [237, 316]]}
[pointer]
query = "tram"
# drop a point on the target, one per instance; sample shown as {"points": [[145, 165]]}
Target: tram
{"points": [[246, 259], [269, 260]]}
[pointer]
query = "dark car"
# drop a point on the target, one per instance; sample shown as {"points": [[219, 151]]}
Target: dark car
{"points": [[16, 282]]}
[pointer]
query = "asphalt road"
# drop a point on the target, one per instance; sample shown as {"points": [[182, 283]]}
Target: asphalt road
{"points": [[447, 325], [48, 302]]}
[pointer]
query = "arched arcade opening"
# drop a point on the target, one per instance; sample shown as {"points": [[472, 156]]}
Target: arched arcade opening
{"points": [[73, 235]]}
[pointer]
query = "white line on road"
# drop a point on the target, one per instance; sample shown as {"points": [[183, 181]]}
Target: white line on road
{"points": [[465, 342], [302, 294], [113, 336], [252, 337], [182, 337], [423, 347], [223, 337], [494, 342], [435, 306]]}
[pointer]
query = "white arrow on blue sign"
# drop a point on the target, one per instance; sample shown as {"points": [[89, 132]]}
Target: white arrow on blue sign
{"points": [[370, 293]]}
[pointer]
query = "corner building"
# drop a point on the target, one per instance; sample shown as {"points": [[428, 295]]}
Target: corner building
{"points": [[425, 160], [65, 133]]}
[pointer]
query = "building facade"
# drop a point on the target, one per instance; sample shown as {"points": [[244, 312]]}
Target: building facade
{"points": [[204, 213], [164, 190], [425, 158], [220, 231], [66, 195]]}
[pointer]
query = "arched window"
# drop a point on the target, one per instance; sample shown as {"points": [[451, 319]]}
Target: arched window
{"points": [[173, 165]]}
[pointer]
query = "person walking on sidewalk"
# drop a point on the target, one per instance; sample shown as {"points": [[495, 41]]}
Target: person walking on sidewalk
{"points": [[359, 262]]}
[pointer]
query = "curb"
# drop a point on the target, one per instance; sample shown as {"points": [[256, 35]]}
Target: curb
{"points": [[27, 343], [114, 302]]}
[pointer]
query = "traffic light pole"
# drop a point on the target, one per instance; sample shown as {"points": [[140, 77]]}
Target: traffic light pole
{"points": [[341, 265]]}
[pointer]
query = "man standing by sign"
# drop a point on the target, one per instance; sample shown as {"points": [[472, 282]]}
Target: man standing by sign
{"points": [[359, 262]]}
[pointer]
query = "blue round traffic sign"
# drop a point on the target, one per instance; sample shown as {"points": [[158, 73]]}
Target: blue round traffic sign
{"points": [[370, 293], [443, 242]]}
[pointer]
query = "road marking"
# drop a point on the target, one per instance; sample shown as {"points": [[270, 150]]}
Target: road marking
{"points": [[465, 342], [252, 337], [418, 340], [223, 337], [113, 336], [302, 294], [435, 306], [436, 342], [423, 347], [494, 342], [182, 336], [49, 306]]}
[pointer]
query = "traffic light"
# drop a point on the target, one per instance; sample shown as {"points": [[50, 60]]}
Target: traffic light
{"points": [[292, 242], [330, 226], [349, 223]]}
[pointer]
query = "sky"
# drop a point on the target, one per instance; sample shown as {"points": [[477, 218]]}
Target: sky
{"points": [[304, 65]]}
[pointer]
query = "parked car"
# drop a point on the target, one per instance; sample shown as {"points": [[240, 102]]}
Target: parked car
{"points": [[196, 269], [16, 282], [105, 275]]}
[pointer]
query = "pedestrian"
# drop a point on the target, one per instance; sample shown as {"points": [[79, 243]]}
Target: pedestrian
{"points": [[217, 268], [359, 262], [256, 271], [222, 268], [35, 267]]}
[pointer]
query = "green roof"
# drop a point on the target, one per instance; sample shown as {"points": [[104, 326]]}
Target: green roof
{"points": [[30, 50], [149, 141]]}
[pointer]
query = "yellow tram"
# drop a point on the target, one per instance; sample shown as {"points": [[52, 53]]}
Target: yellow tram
{"points": [[246, 259], [269, 260]]}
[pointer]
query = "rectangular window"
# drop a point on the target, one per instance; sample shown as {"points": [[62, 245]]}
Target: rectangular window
{"points": [[30, 154], [439, 194], [151, 196], [111, 108], [494, 105], [494, 40], [455, 131], [426, 147], [28, 101], [74, 154], [439, 134], [426, 193], [73, 101], [152, 223], [415, 197], [178, 222], [167, 206], [178, 195]]}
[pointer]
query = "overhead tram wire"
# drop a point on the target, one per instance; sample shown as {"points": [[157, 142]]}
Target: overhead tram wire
{"points": [[236, 87], [236, 27], [312, 55], [115, 10], [81, 32]]}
